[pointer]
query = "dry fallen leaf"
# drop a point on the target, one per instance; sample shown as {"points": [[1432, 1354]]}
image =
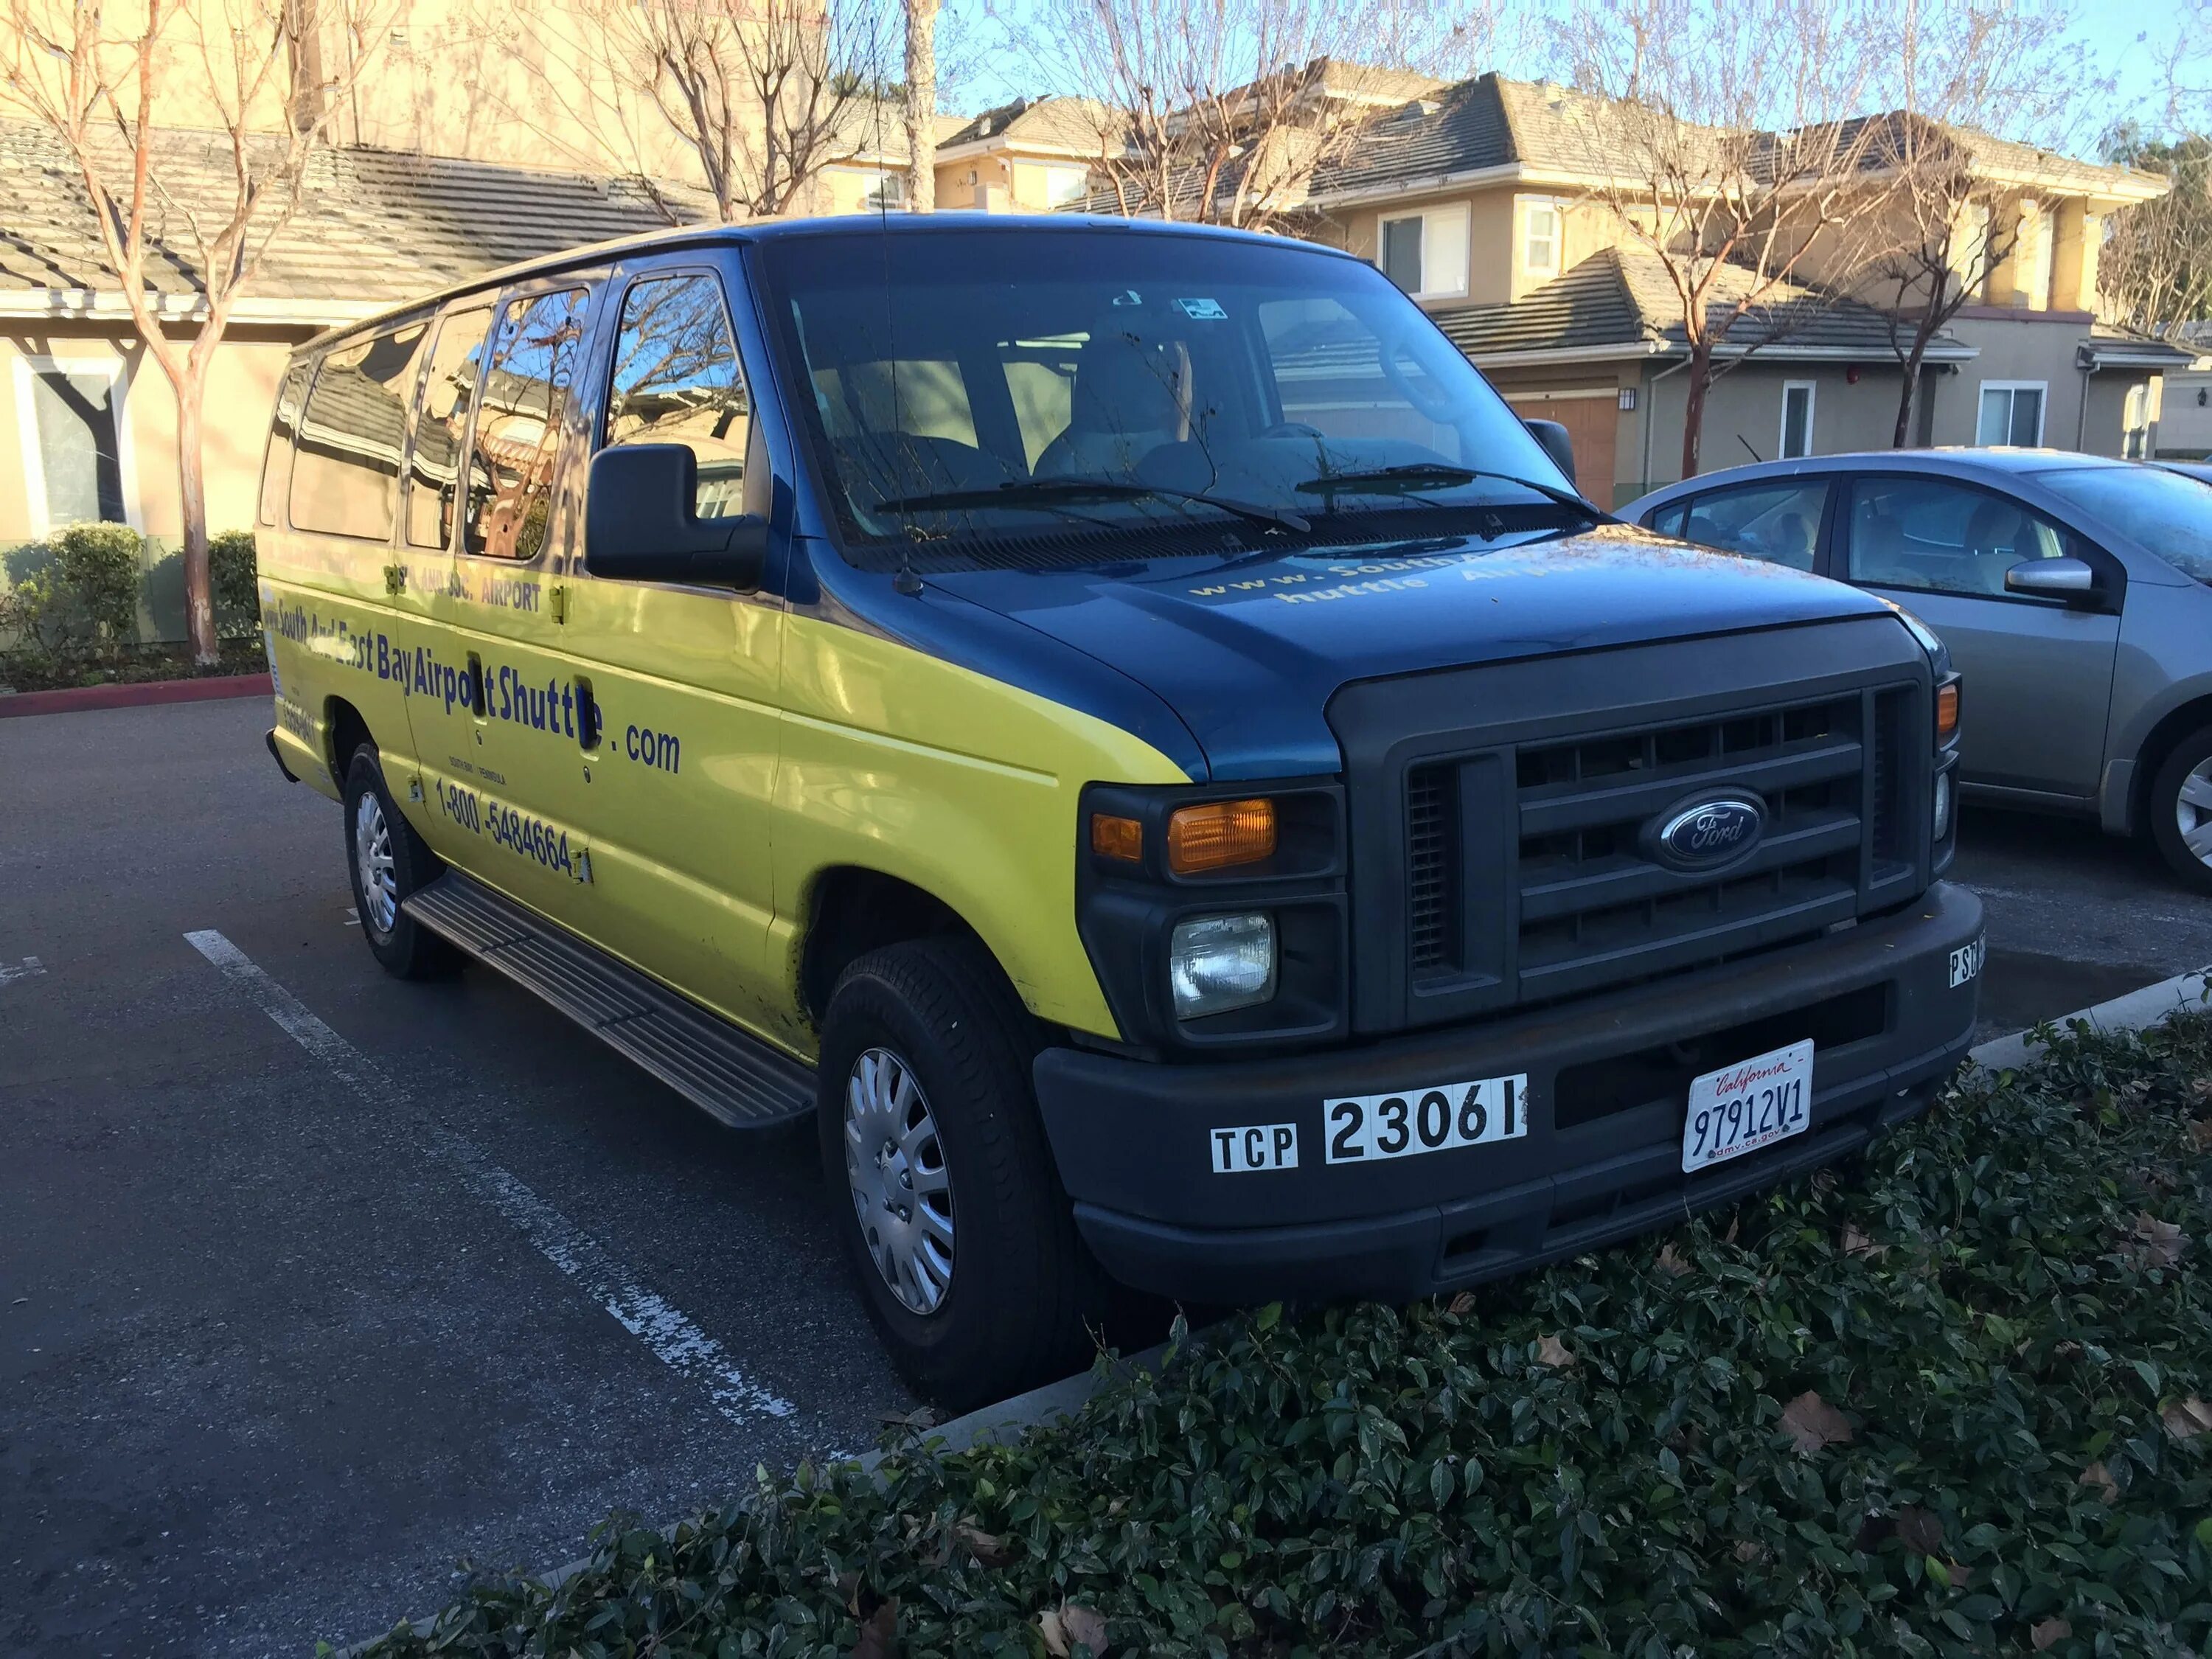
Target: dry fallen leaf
{"points": [[2099, 1476], [2200, 1135], [1671, 1262], [1812, 1422], [986, 1548], [1064, 1625], [1749, 1550], [1857, 1243], [1551, 1351], [2185, 1419], [2161, 1242], [1462, 1304], [2049, 1634], [878, 1633]]}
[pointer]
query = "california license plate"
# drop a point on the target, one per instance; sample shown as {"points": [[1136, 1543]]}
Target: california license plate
{"points": [[1751, 1104]]}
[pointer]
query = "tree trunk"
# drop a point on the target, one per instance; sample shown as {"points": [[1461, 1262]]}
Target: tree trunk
{"points": [[191, 490], [921, 105], [1902, 438], [1697, 380]]}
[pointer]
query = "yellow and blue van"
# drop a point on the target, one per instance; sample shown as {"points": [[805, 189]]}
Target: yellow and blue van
{"points": [[1121, 725]]}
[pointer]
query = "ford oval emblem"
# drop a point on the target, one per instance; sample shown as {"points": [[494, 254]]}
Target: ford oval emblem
{"points": [[1707, 832]]}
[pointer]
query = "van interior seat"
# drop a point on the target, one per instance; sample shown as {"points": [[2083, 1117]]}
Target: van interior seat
{"points": [[1132, 394]]}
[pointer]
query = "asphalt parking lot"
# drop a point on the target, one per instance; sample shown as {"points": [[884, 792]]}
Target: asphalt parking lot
{"points": [[311, 1281]]}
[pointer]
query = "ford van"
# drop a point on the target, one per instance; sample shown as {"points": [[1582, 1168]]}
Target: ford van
{"points": [[1120, 728]]}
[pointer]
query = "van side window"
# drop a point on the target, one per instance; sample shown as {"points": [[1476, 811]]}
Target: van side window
{"points": [[676, 381], [518, 441], [440, 422], [345, 466], [277, 459]]}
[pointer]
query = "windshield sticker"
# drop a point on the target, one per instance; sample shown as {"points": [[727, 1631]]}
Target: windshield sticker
{"points": [[1128, 296], [1204, 311]]}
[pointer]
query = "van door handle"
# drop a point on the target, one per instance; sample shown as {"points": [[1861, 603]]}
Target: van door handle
{"points": [[587, 715]]}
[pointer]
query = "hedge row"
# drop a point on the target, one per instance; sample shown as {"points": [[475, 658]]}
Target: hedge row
{"points": [[1953, 1404]]}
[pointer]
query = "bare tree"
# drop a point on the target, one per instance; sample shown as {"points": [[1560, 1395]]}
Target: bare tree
{"points": [[1221, 111], [921, 105], [191, 130], [1958, 69], [2155, 273], [752, 97], [1716, 134]]}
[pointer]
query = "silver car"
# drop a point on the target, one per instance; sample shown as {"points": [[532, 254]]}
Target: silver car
{"points": [[2074, 593]]}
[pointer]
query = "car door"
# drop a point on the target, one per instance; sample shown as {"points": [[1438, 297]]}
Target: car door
{"points": [[677, 790], [2038, 673]]}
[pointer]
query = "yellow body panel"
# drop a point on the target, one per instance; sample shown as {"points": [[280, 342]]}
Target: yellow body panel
{"points": [[744, 753]]}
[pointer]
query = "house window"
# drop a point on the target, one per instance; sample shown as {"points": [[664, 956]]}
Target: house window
{"points": [[74, 463], [1066, 185], [1797, 419], [2011, 413], [1426, 254], [888, 191], [1539, 238]]}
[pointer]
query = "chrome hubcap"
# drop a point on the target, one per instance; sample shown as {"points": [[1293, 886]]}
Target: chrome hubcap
{"points": [[902, 1191], [2192, 813], [372, 863]]}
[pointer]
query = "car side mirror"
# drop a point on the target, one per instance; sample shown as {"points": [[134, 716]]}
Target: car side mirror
{"points": [[2071, 579], [1556, 445], [639, 524]]}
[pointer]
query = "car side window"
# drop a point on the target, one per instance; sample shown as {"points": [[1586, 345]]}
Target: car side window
{"points": [[535, 356], [441, 421], [1667, 519], [1779, 523], [677, 380], [345, 462], [1935, 536]]}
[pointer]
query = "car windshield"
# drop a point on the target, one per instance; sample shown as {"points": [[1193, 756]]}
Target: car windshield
{"points": [[1086, 395], [2168, 514]]}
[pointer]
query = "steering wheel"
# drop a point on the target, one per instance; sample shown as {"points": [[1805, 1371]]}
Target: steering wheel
{"points": [[1291, 429]]}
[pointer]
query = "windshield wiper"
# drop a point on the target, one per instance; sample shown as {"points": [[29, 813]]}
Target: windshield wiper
{"points": [[1046, 492], [1416, 476]]}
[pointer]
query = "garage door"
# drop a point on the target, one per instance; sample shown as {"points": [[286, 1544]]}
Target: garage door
{"points": [[1592, 418]]}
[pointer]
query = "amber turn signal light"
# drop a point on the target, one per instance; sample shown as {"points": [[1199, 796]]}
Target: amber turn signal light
{"points": [[1220, 833], [1117, 838], [1947, 711]]}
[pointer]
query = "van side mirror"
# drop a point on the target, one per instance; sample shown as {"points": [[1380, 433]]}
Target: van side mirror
{"points": [[639, 524], [2071, 579], [1559, 446]]}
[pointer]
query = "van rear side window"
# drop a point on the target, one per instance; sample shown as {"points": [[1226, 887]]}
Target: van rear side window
{"points": [[345, 467], [518, 438], [277, 460]]}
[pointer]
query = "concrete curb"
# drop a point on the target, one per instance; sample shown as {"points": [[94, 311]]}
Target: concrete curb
{"points": [[1010, 1419], [78, 698], [2151, 1006]]}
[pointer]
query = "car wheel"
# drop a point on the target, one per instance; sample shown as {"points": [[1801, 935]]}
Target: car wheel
{"points": [[958, 1231], [388, 860], [2181, 810]]}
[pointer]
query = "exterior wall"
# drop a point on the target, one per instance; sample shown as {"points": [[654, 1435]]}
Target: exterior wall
{"points": [[1743, 417], [2184, 426], [2037, 346], [241, 392]]}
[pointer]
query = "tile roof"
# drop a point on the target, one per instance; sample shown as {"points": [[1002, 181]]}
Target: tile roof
{"points": [[374, 225], [1076, 124], [1622, 297]]}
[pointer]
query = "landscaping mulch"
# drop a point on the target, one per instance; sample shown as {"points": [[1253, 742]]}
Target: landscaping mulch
{"points": [[1951, 1402]]}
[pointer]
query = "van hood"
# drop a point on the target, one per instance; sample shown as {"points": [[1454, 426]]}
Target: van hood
{"points": [[1248, 653]]}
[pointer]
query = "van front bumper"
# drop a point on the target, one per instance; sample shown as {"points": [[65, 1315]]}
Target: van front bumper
{"points": [[1605, 1101]]}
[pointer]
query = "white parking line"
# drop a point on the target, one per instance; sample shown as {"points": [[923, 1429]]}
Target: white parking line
{"points": [[32, 969], [674, 1340]]}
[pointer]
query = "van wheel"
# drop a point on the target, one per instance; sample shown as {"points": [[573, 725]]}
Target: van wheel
{"points": [[959, 1233], [2181, 810], [388, 860]]}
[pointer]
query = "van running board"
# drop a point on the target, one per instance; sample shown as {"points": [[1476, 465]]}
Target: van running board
{"points": [[712, 1064]]}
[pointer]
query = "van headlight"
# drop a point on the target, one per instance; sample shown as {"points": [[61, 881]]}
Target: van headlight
{"points": [[1216, 963]]}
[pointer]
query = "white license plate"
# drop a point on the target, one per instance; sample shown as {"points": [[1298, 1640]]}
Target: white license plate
{"points": [[1967, 961], [1751, 1104], [1366, 1128]]}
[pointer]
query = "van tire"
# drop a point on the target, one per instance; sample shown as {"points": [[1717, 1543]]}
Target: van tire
{"points": [[2165, 809], [406, 949], [1022, 1292]]}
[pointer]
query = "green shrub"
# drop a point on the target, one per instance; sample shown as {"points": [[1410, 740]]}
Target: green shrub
{"points": [[1953, 1405], [101, 565], [234, 578]]}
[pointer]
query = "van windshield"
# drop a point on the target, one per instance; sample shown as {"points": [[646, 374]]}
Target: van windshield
{"points": [[1085, 395]]}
